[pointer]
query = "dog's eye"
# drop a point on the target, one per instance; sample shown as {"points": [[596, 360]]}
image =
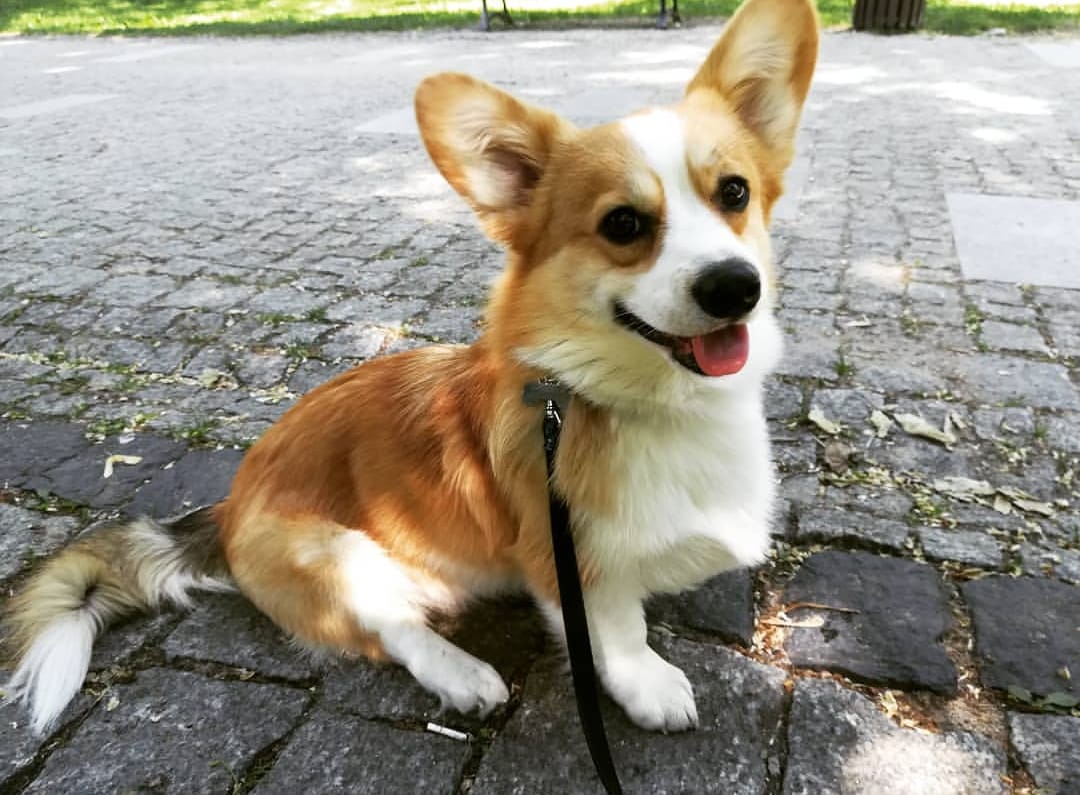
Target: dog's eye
{"points": [[623, 225], [733, 194]]}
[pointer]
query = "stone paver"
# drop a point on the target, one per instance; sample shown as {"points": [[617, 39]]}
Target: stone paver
{"points": [[193, 234], [174, 730], [1049, 747], [841, 743], [540, 751], [229, 630], [1026, 632], [25, 535], [894, 634], [337, 754], [201, 477], [723, 606], [997, 235]]}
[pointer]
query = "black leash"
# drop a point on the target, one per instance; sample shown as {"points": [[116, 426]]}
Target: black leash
{"points": [[551, 394]]}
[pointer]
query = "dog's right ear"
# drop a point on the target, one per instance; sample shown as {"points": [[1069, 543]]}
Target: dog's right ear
{"points": [[490, 147]]}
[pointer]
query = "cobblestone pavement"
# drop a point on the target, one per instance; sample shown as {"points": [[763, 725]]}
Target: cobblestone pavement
{"points": [[193, 233]]}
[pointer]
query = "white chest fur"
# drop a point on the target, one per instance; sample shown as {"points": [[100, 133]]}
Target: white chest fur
{"points": [[694, 496]]}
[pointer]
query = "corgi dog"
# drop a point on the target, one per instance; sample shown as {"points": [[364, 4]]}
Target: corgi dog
{"points": [[639, 276]]}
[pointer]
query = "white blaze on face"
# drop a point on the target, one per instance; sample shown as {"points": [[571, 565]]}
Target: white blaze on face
{"points": [[695, 235]]}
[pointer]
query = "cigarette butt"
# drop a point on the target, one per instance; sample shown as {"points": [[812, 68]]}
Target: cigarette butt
{"points": [[453, 734]]}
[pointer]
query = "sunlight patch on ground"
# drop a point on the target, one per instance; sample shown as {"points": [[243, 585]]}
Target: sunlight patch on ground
{"points": [[648, 77], [993, 135], [991, 100], [674, 53], [881, 273], [849, 75]]}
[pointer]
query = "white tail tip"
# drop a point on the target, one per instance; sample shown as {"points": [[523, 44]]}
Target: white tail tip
{"points": [[53, 669]]}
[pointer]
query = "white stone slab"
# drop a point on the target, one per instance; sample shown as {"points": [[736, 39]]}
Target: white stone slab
{"points": [[1018, 240], [54, 105], [1065, 54]]}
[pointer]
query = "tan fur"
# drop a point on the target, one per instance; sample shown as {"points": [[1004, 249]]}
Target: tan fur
{"points": [[431, 454]]}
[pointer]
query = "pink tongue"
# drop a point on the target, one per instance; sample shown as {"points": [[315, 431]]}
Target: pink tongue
{"points": [[722, 352]]}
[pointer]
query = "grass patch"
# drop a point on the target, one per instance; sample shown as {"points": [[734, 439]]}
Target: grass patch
{"points": [[279, 17]]}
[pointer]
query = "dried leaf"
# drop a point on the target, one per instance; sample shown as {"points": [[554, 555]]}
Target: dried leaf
{"points": [[1034, 506], [1059, 699], [817, 606], [130, 460], [1020, 694], [962, 488], [837, 455], [955, 420], [814, 622], [881, 422], [817, 416], [112, 703], [1064, 673], [916, 426], [889, 704]]}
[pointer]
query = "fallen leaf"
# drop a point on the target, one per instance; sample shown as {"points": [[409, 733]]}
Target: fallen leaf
{"points": [[817, 416], [817, 606], [130, 460], [964, 489], [1059, 699], [889, 704], [881, 422], [1002, 505], [1034, 506], [1020, 694], [838, 455], [916, 426], [1064, 673], [814, 622], [112, 703]]}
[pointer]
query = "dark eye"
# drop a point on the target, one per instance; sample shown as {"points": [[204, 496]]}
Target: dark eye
{"points": [[733, 194], [623, 225]]}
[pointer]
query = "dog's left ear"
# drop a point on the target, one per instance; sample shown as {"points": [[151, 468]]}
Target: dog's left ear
{"points": [[762, 66], [491, 148]]}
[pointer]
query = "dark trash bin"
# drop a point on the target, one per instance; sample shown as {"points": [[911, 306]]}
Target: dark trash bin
{"points": [[888, 16]]}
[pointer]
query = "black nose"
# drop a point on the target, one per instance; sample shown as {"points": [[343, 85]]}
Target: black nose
{"points": [[728, 288]]}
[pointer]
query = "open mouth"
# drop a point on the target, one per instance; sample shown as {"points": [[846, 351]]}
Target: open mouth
{"points": [[720, 352]]}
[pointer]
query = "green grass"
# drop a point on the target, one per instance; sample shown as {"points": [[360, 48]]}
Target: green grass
{"points": [[275, 17]]}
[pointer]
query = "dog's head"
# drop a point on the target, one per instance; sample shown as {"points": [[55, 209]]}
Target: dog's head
{"points": [[640, 264]]}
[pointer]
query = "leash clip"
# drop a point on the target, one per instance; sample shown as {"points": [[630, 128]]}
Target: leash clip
{"points": [[554, 396], [545, 390]]}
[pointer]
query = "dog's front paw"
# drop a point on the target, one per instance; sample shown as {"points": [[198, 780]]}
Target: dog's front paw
{"points": [[655, 694], [475, 685]]}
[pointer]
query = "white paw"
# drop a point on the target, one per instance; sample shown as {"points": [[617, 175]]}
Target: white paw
{"points": [[655, 694], [472, 685]]}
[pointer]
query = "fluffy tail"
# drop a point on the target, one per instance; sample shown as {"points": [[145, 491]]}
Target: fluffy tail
{"points": [[107, 574]]}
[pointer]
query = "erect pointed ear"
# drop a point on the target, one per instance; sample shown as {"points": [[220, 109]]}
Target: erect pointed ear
{"points": [[762, 66], [491, 148]]}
